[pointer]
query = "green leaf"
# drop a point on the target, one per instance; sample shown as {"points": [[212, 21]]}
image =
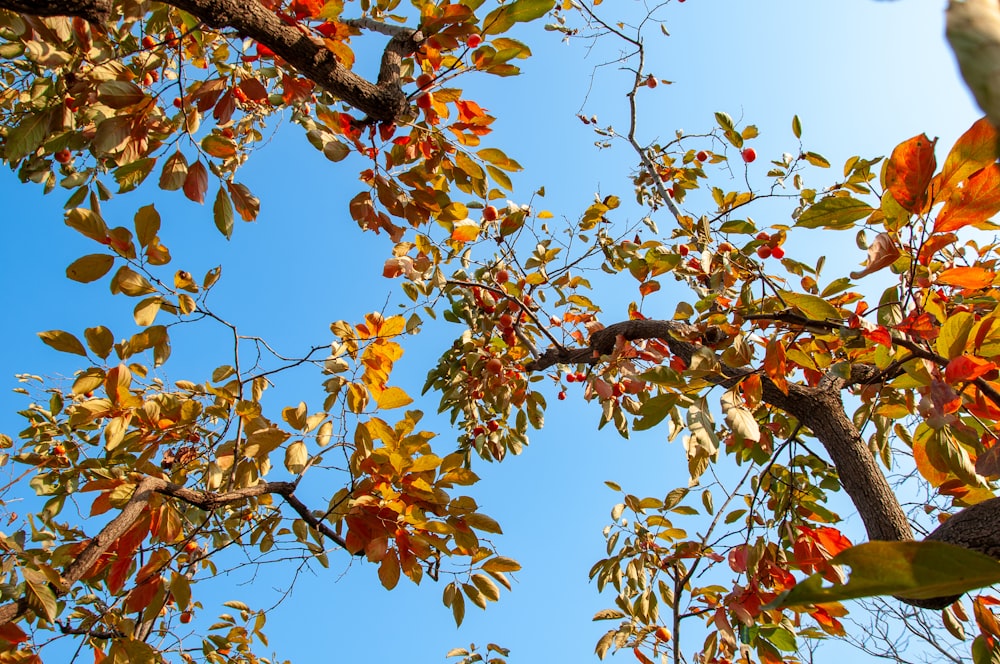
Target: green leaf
{"points": [[520, 11], [39, 593], [954, 334], [63, 341], [25, 138], [222, 211], [815, 308], [834, 212], [796, 126], [90, 268], [915, 570], [131, 175]]}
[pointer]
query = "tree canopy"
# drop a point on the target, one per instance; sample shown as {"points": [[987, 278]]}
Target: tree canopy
{"points": [[788, 387]]}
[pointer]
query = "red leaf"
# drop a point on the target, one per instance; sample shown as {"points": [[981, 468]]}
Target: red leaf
{"points": [[966, 368], [977, 200], [934, 244], [295, 89], [972, 278], [909, 171], [878, 335], [196, 182], [11, 633]]}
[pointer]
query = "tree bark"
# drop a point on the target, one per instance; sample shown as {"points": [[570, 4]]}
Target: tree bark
{"points": [[821, 410], [383, 100]]}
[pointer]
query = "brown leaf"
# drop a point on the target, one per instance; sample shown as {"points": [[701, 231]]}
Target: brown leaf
{"points": [[196, 182]]}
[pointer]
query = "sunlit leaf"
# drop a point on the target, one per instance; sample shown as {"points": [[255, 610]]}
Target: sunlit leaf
{"points": [[909, 171]]}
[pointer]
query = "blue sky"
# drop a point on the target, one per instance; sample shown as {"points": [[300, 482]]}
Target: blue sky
{"points": [[861, 75]]}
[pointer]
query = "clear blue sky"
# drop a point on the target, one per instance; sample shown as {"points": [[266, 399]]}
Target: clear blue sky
{"points": [[861, 75]]}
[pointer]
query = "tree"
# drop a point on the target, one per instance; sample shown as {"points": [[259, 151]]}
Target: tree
{"points": [[172, 475]]}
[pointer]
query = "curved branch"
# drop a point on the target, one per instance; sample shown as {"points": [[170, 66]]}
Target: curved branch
{"points": [[383, 101], [205, 500]]}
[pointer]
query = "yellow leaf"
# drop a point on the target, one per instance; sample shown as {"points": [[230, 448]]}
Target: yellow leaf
{"points": [[465, 230], [393, 397]]}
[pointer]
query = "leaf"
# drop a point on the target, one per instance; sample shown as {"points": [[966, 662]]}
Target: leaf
{"points": [[972, 278], [834, 212], [914, 570], [25, 138], [131, 283], [132, 174], [247, 205], [145, 312], [174, 172], [90, 268], [388, 571], [393, 397], [147, 224], [196, 182], [222, 213], [974, 203], [967, 367], [100, 339], [815, 308], [739, 418], [119, 94], [486, 587], [63, 342], [39, 594], [882, 252], [499, 159], [909, 170], [974, 150], [218, 146], [520, 11], [501, 564], [89, 223], [296, 457]]}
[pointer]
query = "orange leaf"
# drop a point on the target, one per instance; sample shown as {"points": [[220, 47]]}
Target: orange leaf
{"points": [[974, 150], [295, 89], [775, 366], [973, 278], [909, 171], [966, 368], [11, 633], [975, 202], [934, 244], [465, 230], [878, 335]]}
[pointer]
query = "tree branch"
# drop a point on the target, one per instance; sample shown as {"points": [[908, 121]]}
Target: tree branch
{"points": [[383, 101], [205, 500]]}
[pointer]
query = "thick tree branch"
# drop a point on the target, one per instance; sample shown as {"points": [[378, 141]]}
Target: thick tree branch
{"points": [[383, 101], [205, 500]]}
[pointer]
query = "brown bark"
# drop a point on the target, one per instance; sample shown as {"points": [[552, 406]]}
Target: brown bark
{"points": [[383, 100], [821, 410]]}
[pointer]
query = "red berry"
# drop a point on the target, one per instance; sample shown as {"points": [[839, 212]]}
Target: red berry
{"points": [[148, 42], [178, 102], [762, 236], [492, 425], [561, 396], [474, 40], [764, 251], [424, 81], [424, 101], [506, 320], [701, 156], [749, 154], [502, 276], [683, 250], [778, 252], [64, 156], [650, 81], [570, 378], [580, 376], [494, 366], [490, 213]]}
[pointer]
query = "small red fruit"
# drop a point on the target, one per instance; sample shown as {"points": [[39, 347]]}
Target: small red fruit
{"points": [[762, 236], [148, 42], [424, 101], [64, 156], [683, 250], [424, 81], [492, 425], [178, 102], [59, 450], [490, 213], [650, 81], [502, 276], [778, 252], [580, 377], [494, 366], [561, 396], [191, 546], [662, 634], [749, 154], [570, 378], [506, 320], [725, 248], [478, 431], [701, 156], [764, 251], [474, 40], [186, 617]]}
